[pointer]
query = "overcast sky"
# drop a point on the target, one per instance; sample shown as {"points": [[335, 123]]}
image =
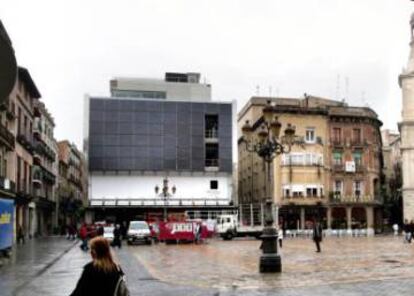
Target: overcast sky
{"points": [[337, 49]]}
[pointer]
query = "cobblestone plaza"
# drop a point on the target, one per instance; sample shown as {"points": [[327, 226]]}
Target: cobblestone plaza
{"points": [[222, 264], [346, 266]]}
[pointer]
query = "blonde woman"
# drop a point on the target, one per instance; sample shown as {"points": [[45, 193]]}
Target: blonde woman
{"points": [[101, 276]]}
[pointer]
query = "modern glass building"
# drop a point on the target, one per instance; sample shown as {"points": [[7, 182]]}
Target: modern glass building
{"points": [[161, 151]]}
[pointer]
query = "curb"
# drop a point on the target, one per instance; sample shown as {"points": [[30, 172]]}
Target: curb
{"points": [[44, 269]]}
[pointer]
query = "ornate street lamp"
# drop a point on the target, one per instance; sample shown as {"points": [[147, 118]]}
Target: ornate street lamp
{"points": [[165, 194], [267, 144]]}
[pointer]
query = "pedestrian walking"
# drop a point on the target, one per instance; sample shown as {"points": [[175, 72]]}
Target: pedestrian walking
{"points": [[407, 232], [198, 233], [116, 242], [395, 228], [72, 232], [68, 232], [83, 234], [280, 236], [411, 229], [102, 276], [317, 235], [20, 234]]}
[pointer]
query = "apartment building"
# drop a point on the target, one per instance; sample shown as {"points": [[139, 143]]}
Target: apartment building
{"points": [[333, 175], [72, 190], [45, 169]]}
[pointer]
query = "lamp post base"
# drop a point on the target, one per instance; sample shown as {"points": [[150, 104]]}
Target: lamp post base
{"points": [[270, 263]]}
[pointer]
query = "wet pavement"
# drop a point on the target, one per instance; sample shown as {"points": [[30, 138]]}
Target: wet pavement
{"points": [[345, 263], [346, 266]]}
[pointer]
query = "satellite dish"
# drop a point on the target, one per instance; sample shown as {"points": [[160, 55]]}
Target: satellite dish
{"points": [[8, 69]]}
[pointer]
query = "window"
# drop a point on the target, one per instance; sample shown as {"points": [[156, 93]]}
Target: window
{"points": [[297, 193], [310, 135], [337, 158], [286, 192], [311, 192], [356, 136], [302, 159], [211, 126], [337, 135], [214, 184], [357, 188], [212, 155], [338, 184], [357, 156]]}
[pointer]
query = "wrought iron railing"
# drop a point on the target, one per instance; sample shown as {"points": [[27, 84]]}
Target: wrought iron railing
{"points": [[212, 163], [7, 137], [157, 202]]}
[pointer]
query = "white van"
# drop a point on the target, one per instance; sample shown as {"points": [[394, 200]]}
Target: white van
{"points": [[139, 231]]}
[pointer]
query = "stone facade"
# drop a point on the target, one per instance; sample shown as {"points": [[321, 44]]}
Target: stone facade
{"points": [[45, 168], [393, 176], [406, 81], [334, 175], [22, 101], [72, 183]]}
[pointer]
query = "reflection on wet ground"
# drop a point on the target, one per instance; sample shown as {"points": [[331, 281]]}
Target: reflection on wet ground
{"points": [[223, 264]]}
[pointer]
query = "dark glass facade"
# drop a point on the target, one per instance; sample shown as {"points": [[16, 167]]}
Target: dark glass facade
{"points": [[156, 135]]}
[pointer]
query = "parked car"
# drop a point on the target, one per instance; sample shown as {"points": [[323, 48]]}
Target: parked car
{"points": [[139, 231], [109, 233]]}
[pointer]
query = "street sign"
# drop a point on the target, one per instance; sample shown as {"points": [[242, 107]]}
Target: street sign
{"points": [[6, 223]]}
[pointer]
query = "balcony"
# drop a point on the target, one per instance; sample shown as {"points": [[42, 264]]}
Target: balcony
{"points": [[37, 181], [337, 142], [211, 165], [6, 137], [42, 149], [357, 143], [77, 182], [49, 153], [37, 176], [37, 160], [48, 177], [290, 200], [26, 142], [359, 168], [338, 168], [211, 134], [357, 198]]}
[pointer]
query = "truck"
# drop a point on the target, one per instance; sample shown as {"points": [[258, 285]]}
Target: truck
{"points": [[6, 225], [173, 232], [248, 220]]}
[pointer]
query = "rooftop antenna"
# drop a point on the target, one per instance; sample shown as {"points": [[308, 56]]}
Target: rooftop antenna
{"points": [[257, 90]]}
